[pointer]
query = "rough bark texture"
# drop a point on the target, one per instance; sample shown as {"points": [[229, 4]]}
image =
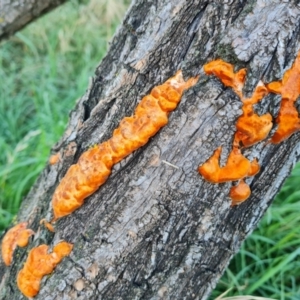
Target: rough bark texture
{"points": [[15, 14], [153, 231]]}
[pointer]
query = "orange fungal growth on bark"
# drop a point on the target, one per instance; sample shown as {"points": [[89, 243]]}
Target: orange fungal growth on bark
{"points": [[236, 168], [239, 193], [54, 159], [94, 166], [252, 128], [254, 168], [225, 72], [16, 236], [38, 264], [289, 88], [48, 225], [288, 121]]}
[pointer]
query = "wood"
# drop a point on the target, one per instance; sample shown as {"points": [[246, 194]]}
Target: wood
{"points": [[15, 14], [154, 231]]}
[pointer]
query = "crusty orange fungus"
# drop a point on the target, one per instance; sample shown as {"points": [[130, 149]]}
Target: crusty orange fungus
{"points": [[237, 167], [38, 264], [289, 88], [16, 236], [224, 71], [251, 128], [94, 166], [54, 159], [239, 193]]}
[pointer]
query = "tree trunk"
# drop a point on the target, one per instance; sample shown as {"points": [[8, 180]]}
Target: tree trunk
{"points": [[14, 15], [155, 231]]}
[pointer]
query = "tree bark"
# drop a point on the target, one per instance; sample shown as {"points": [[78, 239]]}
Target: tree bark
{"points": [[153, 231], [14, 15]]}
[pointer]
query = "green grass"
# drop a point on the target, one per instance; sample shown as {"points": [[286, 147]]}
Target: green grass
{"points": [[44, 69], [268, 264]]}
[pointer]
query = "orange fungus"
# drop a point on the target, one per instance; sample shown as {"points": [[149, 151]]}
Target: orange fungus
{"points": [[38, 264], [94, 166], [239, 193], [237, 167], [251, 129], [224, 71], [289, 88], [48, 225], [54, 159], [16, 236]]}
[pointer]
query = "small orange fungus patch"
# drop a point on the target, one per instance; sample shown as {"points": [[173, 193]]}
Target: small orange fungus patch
{"points": [[289, 88], [252, 128], [224, 71], [16, 236], [94, 166], [254, 168], [239, 193], [38, 264], [237, 167], [48, 225], [54, 159]]}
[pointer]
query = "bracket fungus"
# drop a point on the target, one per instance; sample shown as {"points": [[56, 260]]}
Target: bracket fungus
{"points": [[94, 166], [38, 264], [16, 236]]}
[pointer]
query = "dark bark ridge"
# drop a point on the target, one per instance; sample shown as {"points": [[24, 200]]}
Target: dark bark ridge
{"points": [[153, 231], [14, 15]]}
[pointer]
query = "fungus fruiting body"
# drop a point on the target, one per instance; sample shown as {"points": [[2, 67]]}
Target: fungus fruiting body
{"points": [[251, 129], [94, 166], [47, 224], [237, 167], [38, 264], [225, 72], [54, 159], [289, 88], [239, 193], [16, 236]]}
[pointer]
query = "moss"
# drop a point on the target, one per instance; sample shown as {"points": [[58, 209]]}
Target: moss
{"points": [[226, 53]]}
